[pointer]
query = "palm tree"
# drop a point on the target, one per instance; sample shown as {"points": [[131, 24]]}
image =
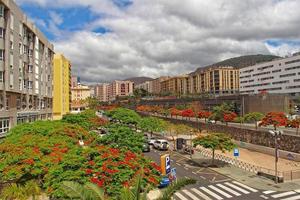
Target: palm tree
{"points": [[169, 191], [21, 192], [134, 193], [88, 191], [13, 191]]}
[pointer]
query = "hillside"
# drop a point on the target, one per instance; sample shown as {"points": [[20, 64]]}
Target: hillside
{"points": [[242, 61], [139, 80]]}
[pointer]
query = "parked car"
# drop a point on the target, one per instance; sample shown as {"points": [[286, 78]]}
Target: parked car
{"points": [[211, 121], [161, 144], [165, 181], [146, 147], [151, 141]]}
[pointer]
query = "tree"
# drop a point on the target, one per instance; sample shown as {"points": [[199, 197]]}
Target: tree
{"points": [[215, 141], [88, 191], [15, 191], [253, 117], [229, 117], [188, 113], [219, 111], [125, 116], [93, 103], [175, 112], [176, 129], [152, 124], [274, 119], [204, 115], [295, 123], [239, 120]]}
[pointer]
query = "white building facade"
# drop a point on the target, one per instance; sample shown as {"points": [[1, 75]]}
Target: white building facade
{"points": [[281, 76]]}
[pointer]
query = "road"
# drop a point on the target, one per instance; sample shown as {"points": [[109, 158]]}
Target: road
{"points": [[212, 185]]}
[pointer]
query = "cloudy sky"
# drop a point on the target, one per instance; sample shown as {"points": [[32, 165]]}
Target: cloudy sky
{"points": [[117, 39]]}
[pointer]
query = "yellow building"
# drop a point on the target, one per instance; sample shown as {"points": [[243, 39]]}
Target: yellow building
{"points": [[62, 84]]}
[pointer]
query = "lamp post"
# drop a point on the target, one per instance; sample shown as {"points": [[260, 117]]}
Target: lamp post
{"points": [[276, 134]]}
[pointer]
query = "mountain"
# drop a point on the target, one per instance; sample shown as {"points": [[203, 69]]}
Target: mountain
{"points": [[139, 80], [241, 61]]}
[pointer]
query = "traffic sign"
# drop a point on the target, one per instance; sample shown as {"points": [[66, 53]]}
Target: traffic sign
{"points": [[165, 163], [236, 152]]}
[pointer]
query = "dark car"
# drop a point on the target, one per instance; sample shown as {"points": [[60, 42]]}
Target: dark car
{"points": [[146, 147]]}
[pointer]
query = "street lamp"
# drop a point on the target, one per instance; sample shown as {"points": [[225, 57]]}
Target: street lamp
{"points": [[276, 134]]}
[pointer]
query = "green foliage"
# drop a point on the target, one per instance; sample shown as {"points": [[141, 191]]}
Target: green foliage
{"points": [[120, 136], [219, 111], [88, 191], [140, 93], [21, 192], [169, 191], [125, 116], [152, 124], [215, 141], [253, 117], [84, 119]]}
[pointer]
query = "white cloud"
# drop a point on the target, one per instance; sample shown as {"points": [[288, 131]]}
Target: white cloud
{"points": [[168, 37]]}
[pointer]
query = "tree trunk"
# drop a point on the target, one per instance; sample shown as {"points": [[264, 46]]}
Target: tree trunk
{"points": [[151, 133], [174, 148], [255, 125], [213, 157], [297, 130]]}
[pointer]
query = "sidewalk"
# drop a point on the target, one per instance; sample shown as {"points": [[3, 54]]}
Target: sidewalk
{"points": [[248, 178]]}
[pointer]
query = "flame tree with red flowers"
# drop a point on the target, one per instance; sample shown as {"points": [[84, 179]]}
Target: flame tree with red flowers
{"points": [[188, 113], [229, 117], [275, 119], [294, 123], [204, 115]]}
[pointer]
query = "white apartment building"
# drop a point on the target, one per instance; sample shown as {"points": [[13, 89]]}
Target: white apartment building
{"points": [[278, 76], [146, 86]]}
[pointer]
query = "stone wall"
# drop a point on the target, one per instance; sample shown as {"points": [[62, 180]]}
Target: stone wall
{"points": [[287, 142]]}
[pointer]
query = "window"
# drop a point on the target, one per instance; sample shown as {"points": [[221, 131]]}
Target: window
{"points": [[30, 68], [292, 61], [11, 45], [287, 75], [30, 52], [20, 48], [275, 71], [1, 76], [291, 68], [2, 32], [25, 49], [4, 125], [29, 84], [20, 84], [2, 10], [12, 21], [24, 84], [1, 54], [280, 82], [265, 67]]}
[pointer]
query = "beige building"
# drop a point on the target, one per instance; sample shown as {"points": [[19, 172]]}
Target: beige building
{"points": [[25, 69], [145, 86], [176, 85], [80, 93], [120, 89], [214, 80], [101, 92], [155, 85]]}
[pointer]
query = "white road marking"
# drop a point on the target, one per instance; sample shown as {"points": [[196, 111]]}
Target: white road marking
{"points": [[229, 190], [186, 177], [269, 192], [237, 188], [194, 173], [220, 191], [202, 177], [190, 194], [211, 193], [180, 196], [292, 198], [200, 194], [245, 186], [264, 197], [178, 164], [283, 194]]}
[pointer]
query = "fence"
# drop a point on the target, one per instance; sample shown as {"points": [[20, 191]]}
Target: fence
{"points": [[286, 175]]}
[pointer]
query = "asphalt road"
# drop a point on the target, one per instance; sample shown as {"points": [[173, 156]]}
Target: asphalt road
{"points": [[212, 185]]}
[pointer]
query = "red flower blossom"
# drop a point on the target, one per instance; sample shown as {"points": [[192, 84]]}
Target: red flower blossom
{"points": [[125, 184], [88, 171], [29, 161], [155, 166], [152, 180], [91, 162]]}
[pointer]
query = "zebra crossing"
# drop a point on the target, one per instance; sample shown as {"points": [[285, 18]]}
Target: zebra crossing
{"points": [[218, 191], [288, 195]]}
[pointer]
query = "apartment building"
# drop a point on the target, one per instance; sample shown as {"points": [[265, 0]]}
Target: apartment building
{"points": [[79, 93], [145, 86], [120, 89], [101, 92], [176, 85], [25, 69], [155, 85], [278, 76], [62, 86], [221, 80], [74, 81]]}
